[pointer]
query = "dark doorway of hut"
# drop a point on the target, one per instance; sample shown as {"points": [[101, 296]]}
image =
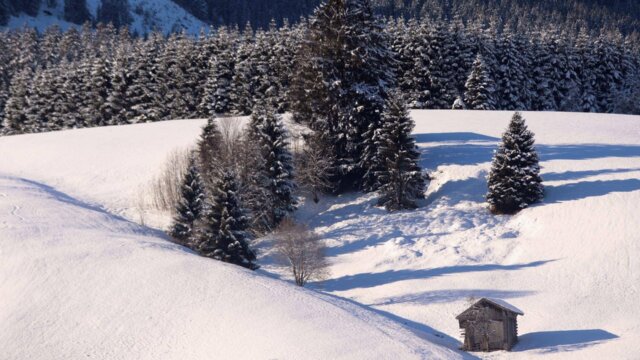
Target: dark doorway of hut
{"points": [[489, 325]]}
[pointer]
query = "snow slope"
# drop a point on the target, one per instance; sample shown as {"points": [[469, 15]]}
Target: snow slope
{"points": [[147, 15], [569, 263], [77, 281]]}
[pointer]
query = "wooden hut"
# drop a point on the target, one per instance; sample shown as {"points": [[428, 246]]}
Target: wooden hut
{"points": [[489, 324]]}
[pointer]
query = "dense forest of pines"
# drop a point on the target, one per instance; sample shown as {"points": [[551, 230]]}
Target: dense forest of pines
{"points": [[567, 16], [87, 78]]}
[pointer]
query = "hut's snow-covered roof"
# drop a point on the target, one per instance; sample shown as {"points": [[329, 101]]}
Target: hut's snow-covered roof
{"points": [[495, 302], [503, 304]]}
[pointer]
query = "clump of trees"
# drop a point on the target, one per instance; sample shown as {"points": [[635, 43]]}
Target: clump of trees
{"points": [[514, 181]]}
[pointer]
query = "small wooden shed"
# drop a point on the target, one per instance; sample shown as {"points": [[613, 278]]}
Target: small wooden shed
{"points": [[489, 324]]}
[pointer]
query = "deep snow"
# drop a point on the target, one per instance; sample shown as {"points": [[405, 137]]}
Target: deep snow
{"points": [[570, 263]]}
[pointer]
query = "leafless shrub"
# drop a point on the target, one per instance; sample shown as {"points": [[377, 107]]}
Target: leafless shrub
{"points": [[313, 167], [164, 190], [303, 251]]}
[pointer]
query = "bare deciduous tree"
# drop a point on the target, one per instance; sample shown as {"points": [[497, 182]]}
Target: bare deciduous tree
{"points": [[163, 192], [313, 167], [303, 250]]}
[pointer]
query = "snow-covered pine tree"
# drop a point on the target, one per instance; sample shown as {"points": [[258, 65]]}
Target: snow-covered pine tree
{"points": [[96, 91], [217, 90], [399, 177], [190, 209], [587, 74], [243, 81], [224, 235], [73, 97], [480, 89], [514, 181], [543, 67], [372, 77], [144, 93], [276, 175], [117, 105], [268, 89], [210, 153], [350, 56], [15, 118], [512, 84]]}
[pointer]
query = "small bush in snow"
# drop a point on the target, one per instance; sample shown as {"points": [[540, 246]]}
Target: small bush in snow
{"points": [[303, 250]]}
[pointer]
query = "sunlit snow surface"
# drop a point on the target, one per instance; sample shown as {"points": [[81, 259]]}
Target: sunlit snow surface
{"points": [[78, 273]]}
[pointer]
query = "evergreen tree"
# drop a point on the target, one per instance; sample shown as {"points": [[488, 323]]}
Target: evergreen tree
{"points": [[15, 119], [350, 64], [225, 236], [144, 93], [400, 177], [512, 90], [210, 152], [276, 175], [217, 91], [514, 182], [190, 208], [243, 81], [480, 89]]}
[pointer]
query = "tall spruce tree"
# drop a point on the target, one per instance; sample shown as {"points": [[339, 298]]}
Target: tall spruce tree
{"points": [[190, 208], [350, 58], [276, 175], [480, 88], [400, 178], [225, 235], [210, 152], [514, 181]]}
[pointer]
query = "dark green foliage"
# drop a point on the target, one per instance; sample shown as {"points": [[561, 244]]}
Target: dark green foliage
{"points": [[190, 208], [348, 72], [224, 234], [399, 177], [209, 151], [275, 177], [480, 90], [515, 182]]}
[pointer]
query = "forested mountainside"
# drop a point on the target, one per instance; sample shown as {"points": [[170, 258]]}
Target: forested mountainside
{"points": [[91, 78], [568, 16]]}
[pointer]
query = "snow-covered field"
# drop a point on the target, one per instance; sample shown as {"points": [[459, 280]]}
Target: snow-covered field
{"points": [[77, 276]]}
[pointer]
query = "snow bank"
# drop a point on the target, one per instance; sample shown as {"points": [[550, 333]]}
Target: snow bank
{"points": [[76, 281]]}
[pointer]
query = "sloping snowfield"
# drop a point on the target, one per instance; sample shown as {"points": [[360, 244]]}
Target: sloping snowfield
{"points": [[79, 279]]}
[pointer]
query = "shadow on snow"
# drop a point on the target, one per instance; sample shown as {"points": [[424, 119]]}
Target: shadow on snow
{"points": [[458, 149], [562, 340], [369, 280], [446, 296]]}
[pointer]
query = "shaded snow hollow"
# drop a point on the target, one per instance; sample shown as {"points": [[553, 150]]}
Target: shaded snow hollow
{"points": [[102, 286]]}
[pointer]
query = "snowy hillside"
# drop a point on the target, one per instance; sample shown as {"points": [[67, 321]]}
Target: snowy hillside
{"points": [[147, 15], [77, 281], [570, 263]]}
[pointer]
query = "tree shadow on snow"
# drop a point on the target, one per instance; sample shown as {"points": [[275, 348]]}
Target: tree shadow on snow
{"points": [[575, 175], [587, 189], [459, 149], [562, 340], [369, 280], [447, 296]]}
